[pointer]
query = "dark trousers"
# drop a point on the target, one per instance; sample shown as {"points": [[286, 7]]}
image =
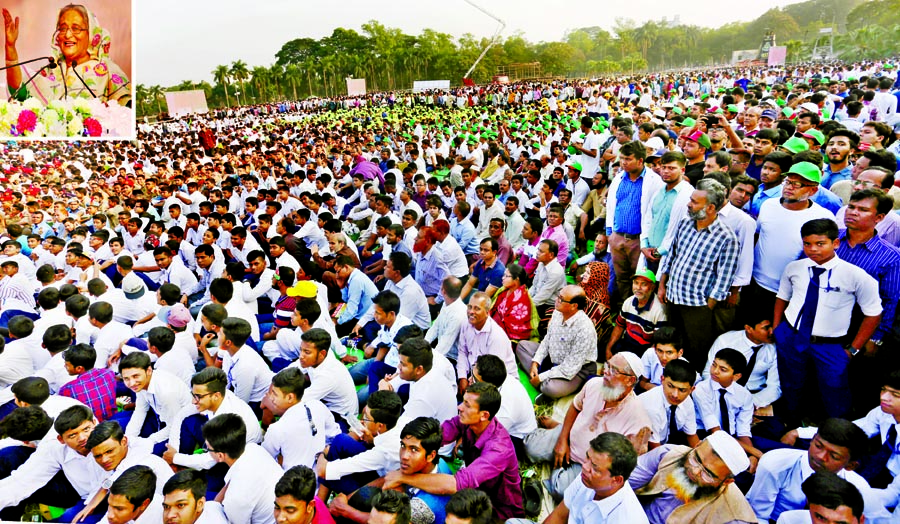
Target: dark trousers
{"points": [[344, 446], [696, 323], [625, 255], [826, 364]]}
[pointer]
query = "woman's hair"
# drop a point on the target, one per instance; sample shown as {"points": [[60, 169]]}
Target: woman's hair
{"points": [[517, 273]]}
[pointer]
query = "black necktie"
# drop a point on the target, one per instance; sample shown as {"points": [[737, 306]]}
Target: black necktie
{"points": [[675, 435], [751, 363], [723, 412], [874, 469]]}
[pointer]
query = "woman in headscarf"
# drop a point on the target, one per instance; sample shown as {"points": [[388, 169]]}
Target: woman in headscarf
{"points": [[513, 308], [595, 282], [79, 45]]}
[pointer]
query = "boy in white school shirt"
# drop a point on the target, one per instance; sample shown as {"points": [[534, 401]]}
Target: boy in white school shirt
{"points": [[731, 411], [671, 405], [249, 492], [305, 426], [248, 374], [667, 346]]}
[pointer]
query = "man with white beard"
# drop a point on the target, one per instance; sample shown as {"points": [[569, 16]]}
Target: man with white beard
{"points": [[677, 484], [604, 404]]}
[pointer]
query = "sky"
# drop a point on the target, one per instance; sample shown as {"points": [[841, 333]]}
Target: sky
{"points": [[177, 40]]}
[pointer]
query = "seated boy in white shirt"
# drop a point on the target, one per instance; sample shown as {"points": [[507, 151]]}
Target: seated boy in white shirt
{"points": [[671, 405], [667, 346], [736, 415]]}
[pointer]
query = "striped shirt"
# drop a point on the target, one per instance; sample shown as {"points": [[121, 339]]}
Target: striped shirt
{"points": [[430, 271], [640, 323], [628, 206], [881, 260], [16, 293], [701, 263]]}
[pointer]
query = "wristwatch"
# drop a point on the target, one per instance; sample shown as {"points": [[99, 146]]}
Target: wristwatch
{"points": [[853, 351]]}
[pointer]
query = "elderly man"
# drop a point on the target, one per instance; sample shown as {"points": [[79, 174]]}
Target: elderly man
{"points": [[698, 270], [481, 335], [680, 485], [570, 347], [607, 404]]}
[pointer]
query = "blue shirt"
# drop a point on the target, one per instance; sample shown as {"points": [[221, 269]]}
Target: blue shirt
{"points": [[357, 295], [829, 178], [464, 233], [754, 171], [492, 276], [827, 199], [761, 196], [628, 205], [881, 260]]}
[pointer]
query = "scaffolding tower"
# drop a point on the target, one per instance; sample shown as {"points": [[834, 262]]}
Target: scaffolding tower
{"points": [[522, 71]]}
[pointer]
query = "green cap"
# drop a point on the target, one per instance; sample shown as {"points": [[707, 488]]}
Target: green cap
{"points": [[536, 144], [732, 108], [572, 150], [576, 166], [780, 102], [644, 273], [788, 112], [807, 170], [688, 122], [816, 135], [795, 145], [677, 110]]}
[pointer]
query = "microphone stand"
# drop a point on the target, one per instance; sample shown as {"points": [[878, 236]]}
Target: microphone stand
{"points": [[52, 60], [75, 70], [51, 65]]}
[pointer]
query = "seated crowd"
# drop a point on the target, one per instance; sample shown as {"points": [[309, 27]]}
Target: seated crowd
{"points": [[674, 310]]}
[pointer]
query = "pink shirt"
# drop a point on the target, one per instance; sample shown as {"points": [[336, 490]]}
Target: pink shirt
{"points": [[627, 418], [558, 235], [322, 515]]}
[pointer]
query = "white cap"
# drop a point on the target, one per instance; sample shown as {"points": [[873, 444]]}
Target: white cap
{"points": [[634, 362], [809, 106], [731, 453]]}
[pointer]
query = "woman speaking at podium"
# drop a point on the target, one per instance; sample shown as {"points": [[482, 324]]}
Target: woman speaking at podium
{"points": [[80, 46]]}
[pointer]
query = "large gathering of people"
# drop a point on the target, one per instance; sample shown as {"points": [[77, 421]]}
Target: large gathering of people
{"points": [[659, 299]]}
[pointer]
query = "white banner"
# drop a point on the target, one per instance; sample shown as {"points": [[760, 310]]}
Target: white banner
{"points": [[424, 85], [182, 103], [356, 86]]}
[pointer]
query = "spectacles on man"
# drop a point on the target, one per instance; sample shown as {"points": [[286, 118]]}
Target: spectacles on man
{"points": [[797, 184], [201, 396]]}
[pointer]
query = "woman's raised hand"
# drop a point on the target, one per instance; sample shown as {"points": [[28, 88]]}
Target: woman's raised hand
{"points": [[12, 28]]}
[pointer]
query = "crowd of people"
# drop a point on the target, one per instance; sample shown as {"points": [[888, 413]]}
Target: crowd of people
{"points": [[666, 299]]}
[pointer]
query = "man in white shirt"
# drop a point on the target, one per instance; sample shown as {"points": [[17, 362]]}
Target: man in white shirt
{"points": [[248, 375], [429, 388], [445, 329], [111, 333], [348, 463], [185, 500], [160, 397], [68, 454], [330, 381], [210, 399], [16, 361], [304, 426], [516, 412], [252, 473], [777, 485], [603, 493], [173, 269], [134, 498]]}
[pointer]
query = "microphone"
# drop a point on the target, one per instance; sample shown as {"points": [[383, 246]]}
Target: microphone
{"points": [[50, 58], [72, 65], [51, 65], [116, 90]]}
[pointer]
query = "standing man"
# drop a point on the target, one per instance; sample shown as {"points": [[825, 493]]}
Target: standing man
{"points": [[628, 198], [698, 271], [667, 207]]}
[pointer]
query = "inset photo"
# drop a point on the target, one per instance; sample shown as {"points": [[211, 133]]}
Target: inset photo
{"points": [[68, 70]]}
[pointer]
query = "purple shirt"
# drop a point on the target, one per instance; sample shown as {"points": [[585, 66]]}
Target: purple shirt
{"points": [[489, 340], [491, 465]]}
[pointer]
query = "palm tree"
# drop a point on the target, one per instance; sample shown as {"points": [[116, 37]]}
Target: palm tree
{"points": [[646, 35], [141, 94], [221, 74], [240, 73], [275, 75], [292, 72], [156, 93], [260, 76]]}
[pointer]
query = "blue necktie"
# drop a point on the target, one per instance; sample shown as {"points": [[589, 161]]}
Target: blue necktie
{"points": [[810, 304]]}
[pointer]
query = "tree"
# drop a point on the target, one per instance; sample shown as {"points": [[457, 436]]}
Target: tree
{"points": [[240, 73], [155, 93], [260, 76], [221, 75]]}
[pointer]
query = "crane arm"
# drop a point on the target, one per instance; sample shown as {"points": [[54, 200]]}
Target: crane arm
{"points": [[493, 38]]}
